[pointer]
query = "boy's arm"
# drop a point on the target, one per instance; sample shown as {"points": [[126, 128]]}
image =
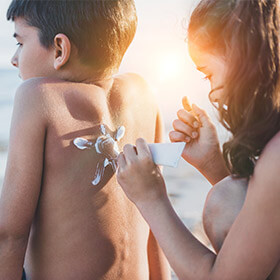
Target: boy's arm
{"points": [[158, 264], [23, 177]]}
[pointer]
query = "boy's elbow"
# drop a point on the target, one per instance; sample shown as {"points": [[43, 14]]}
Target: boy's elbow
{"points": [[12, 235], [11, 243]]}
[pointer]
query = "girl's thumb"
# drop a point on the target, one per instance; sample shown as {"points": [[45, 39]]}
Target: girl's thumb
{"points": [[202, 115]]}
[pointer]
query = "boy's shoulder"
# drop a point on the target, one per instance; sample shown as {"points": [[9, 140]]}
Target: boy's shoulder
{"points": [[122, 81], [30, 92], [133, 80], [131, 77], [37, 95], [50, 93], [131, 86], [36, 88], [30, 86]]}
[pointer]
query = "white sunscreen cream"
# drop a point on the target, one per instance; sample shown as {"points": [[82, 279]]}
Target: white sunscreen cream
{"points": [[106, 146], [166, 154]]}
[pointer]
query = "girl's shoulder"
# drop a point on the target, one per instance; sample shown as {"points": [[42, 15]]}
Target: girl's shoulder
{"points": [[271, 151], [267, 168]]}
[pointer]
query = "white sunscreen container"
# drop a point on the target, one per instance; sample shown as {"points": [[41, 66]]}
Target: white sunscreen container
{"points": [[167, 154]]}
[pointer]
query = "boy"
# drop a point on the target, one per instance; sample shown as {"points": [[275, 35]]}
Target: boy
{"points": [[53, 219]]}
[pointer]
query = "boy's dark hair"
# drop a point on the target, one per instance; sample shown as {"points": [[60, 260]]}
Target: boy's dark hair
{"points": [[101, 30]]}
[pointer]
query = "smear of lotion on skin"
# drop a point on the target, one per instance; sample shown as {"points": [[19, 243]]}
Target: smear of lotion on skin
{"points": [[166, 154], [106, 146]]}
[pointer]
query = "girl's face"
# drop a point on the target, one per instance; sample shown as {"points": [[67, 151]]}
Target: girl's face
{"points": [[213, 66]]}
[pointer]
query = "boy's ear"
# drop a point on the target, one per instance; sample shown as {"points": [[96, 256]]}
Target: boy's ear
{"points": [[62, 46]]}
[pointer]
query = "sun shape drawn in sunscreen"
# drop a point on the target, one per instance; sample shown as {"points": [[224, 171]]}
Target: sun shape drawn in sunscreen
{"points": [[106, 146]]}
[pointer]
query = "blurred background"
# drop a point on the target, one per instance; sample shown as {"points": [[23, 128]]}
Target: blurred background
{"points": [[159, 53]]}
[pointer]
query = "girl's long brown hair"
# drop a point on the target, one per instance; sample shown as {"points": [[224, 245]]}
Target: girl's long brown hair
{"points": [[246, 33]]}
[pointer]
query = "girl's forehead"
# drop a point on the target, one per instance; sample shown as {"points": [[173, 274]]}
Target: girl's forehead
{"points": [[203, 58]]}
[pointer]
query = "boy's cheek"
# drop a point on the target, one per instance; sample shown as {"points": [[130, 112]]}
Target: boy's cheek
{"points": [[22, 69], [23, 74]]}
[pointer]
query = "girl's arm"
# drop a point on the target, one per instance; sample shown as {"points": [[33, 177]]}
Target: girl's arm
{"points": [[251, 249]]}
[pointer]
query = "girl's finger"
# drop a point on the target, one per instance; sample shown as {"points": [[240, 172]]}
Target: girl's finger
{"points": [[186, 104], [121, 160], [184, 128], [130, 153], [143, 149], [188, 118], [202, 115], [176, 136]]}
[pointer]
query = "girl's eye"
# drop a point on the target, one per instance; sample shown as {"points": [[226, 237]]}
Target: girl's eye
{"points": [[207, 77]]}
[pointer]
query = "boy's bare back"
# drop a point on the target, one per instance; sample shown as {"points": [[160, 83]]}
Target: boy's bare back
{"points": [[79, 231]]}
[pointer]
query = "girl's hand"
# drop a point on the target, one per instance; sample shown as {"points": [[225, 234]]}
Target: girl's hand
{"points": [[138, 176], [194, 127]]}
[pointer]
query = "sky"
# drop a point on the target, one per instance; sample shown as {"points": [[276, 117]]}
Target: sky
{"points": [[159, 53]]}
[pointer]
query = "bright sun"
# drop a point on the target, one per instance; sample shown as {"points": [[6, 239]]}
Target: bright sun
{"points": [[170, 66]]}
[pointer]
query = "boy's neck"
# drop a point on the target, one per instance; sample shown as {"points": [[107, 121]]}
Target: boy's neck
{"points": [[86, 76], [105, 83]]}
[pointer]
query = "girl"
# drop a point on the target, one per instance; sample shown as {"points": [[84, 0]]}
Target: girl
{"points": [[236, 44]]}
